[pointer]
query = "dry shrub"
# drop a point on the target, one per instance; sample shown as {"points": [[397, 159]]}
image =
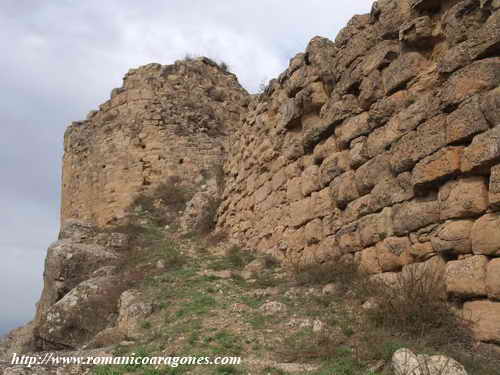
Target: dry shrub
{"points": [[415, 304], [216, 238], [345, 274], [238, 258], [208, 221], [224, 67], [163, 205], [270, 261], [307, 346]]}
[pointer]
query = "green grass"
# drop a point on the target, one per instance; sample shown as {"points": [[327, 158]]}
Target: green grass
{"points": [[257, 320], [199, 304], [227, 370], [224, 343]]}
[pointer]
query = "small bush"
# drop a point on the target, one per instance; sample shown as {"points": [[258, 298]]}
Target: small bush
{"points": [[170, 254], [345, 274], [416, 306], [162, 205], [234, 258], [207, 224], [224, 67], [270, 262], [307, 346]]}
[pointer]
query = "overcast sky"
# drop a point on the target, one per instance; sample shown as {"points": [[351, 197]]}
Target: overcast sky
{"points": [[61, 58]]}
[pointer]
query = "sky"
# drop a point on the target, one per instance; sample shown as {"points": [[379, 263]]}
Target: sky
{"points": [[62, 58]]}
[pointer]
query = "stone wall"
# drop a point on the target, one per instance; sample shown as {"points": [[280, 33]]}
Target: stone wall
{"points": [[383, 147], [166, 121]]}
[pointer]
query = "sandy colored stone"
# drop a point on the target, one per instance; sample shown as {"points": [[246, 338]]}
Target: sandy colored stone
{"points": [[372, 172], [402, 70], [483, 152], [484, 317], [414, 146], [462, 198], [486, 236], [494, 191], [436, 167], [466, 121], [390, 253], [351, 129], [369, 261], [334, 166], [294, 189], [422, 251], [344, 189], [493, 279], [358, 152], [418, 213], [374, 228], [348, 239], [314, 231], [474, 78], [453, 237], [466, 278], [310, 180]]}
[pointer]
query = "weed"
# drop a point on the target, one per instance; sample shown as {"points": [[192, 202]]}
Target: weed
{"points": [[270, 262], [227, 370], [257, 320], [306, 345], [273, 371], [224, 66], [266, 279], [346, 274], [234, 258], [199, 304], [416, 306], [224, 342]]}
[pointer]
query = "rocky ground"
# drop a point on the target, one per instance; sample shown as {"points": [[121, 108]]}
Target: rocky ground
{"points": [[203, 296]]}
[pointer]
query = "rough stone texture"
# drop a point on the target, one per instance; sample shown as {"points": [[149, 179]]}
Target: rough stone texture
{"points": [[165, 121], [410, 216], [132, 311], [406, 127], [486, 236], [467, 277], [493, 279], [375, 147], [484, 316], [453, 237], [494, 191], [466, 121], [198, 214], [467, 197], [405, 362], [434, 169], [483, 152]]}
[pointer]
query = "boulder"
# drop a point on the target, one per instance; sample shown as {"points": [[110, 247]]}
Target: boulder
{"points": [[405, 362], [132, 312], [79, 315]]}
